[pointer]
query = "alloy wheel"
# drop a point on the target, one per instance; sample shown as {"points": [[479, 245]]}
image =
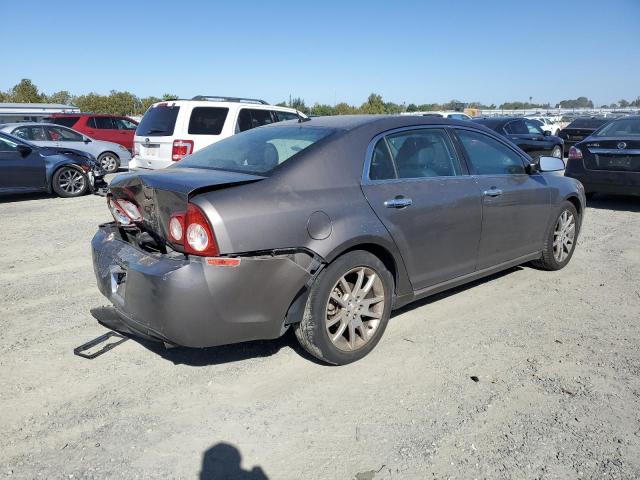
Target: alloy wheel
{"points": [[564, 236], [354, 308], [72, 181], [109, 163]]}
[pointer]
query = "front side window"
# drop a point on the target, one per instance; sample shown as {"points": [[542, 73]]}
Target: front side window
{"points": [[59, 134], [423, 153], [251, 118], [256, 152], [533, 126], [124, 124], [489, 156], [207, 120], [517, 127], [104, 123], [7, 145]]}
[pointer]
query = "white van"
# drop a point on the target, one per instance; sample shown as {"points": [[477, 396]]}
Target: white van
{"points": [[173, 129]]}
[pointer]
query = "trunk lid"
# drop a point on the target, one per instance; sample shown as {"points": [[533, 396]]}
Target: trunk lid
{"points": [[161, 193], [613, 154]]}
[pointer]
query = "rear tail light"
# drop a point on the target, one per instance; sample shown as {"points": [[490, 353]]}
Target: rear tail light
{"points": [[192, 230], [575, 153], [136, 150], [124, 212], [181, 148]]}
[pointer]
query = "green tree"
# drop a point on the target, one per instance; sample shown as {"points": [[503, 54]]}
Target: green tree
{"points": [[636, 102], [322, 109], [169, 96], [623, 103], [412, 107], [580, 102], [62, 97], [25, 92], [373, 105], [145, 103], [344, 108], [298, 104]]}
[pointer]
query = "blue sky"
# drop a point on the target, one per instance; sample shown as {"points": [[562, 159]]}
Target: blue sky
{"points": [[323, 51]]}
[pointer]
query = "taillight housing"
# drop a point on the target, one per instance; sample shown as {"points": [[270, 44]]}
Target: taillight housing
{"points": [[180, 149], [575, 153], [192, 230], [124, 212]]}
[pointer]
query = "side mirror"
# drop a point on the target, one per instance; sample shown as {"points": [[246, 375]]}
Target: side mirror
{"points": [[24, 150], [550, 164], [87, 140], [547, 133]]}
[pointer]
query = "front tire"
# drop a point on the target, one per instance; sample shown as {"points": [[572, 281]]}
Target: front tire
{"points": [[69, 182], [348, 309], [561, 239], [109, 161]]}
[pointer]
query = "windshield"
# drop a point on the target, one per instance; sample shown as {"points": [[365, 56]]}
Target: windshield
{"points": [[257, 151], [620, 128], [587, 123]]}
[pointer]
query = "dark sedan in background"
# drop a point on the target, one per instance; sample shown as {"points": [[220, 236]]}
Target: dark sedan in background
{"points": [[326, 225], [526, 134], [608, 161], [26, 168], [579, 129]]}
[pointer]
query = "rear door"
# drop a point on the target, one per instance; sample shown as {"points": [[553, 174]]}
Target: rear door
{"points": [[126, 130], [153, 141], [515, 204], [18, 172], [106, 129], [424, 196], [249, 118]]}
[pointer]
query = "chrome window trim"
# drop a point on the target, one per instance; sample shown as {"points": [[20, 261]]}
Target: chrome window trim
{"points": [[372, 144]]}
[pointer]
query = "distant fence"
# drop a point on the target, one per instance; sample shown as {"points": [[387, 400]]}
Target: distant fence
{"points": [[556, 111]]}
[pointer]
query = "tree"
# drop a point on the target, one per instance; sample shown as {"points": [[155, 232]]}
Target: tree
{"points": [[25, 92], [636, 102], [344, 108], [412, 107], [580, 102], [62, 97], [322, 109], [623, 103], [373, 105], [298, 104], [169, 96]]}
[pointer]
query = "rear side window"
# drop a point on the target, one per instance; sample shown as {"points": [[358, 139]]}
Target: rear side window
{"points": [[36, 134], [103, 123], [250, 118], [488, 156], [64, 121], [283, 116], [517, 127], [381, 164], [159, 121], [207, 120]]}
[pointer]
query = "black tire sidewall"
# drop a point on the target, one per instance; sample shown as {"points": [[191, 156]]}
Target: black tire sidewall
{"points": [[55, 181], [320, 294]]}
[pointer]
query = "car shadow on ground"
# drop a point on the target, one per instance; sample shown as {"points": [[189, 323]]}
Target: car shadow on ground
{"points": [[223, 461], [200, 357], [22, 197], [615, 202]]}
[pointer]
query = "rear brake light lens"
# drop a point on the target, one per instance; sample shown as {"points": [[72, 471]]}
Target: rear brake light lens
{"points": [[130, 209], [181, 148], [118, 213], [176, 228], [198, 235], [575, 153]]}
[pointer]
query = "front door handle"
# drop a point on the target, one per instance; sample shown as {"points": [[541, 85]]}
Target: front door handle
{"points": [[494, 192], [398, 202]]}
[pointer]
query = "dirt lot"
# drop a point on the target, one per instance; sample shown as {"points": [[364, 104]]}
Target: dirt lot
{"points": [[556, 356]]}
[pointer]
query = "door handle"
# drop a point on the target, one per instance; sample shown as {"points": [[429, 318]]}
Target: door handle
{"points": [[493, 192], [398, 202]]}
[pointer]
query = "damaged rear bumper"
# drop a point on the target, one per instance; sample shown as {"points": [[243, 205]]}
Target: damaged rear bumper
{"points": [[186, 301]]}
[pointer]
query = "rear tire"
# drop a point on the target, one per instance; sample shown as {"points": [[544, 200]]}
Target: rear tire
{"points": [[561, 239], [109, 161], [69, 182], [347, 310]]}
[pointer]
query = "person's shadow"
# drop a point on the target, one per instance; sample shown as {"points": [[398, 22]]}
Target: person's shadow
{"points": [[222, 462]]}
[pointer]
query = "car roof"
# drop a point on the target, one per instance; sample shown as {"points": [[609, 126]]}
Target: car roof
{"points": [[493, 122], [32, 124], [85, 114]]}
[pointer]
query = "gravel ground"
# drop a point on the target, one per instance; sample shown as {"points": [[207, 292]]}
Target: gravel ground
{"points": [[527, 374]]}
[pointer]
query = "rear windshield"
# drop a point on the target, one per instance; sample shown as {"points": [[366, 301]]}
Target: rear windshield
{"points": [[257, 151], [158, 121], [587, 123], [64, 121], [620, 128]]}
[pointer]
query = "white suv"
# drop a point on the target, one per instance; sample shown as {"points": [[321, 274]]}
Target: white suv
{"points": [[173, 129]]}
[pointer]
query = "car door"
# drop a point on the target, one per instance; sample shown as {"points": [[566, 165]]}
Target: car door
{"points": [[35, 134], [515, 204], [65, 137], [126, 130], [105, 129], [20, 170], [418, 188]]}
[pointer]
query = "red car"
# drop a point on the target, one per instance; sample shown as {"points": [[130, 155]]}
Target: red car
{"points": [[110, 128]]}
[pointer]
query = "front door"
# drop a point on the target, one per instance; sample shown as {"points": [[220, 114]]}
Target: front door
{"points": [[427, 201], [515, 204], [18, 170], [65, 137]]}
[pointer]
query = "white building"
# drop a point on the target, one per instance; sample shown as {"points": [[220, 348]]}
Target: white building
{"points": [[25, 112]]}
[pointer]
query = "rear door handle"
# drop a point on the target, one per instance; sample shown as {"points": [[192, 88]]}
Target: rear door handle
{"points": [[398, 202], [494, 192]]}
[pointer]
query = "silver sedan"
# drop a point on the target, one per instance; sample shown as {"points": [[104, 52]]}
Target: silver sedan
{"points": [[111, 156]]}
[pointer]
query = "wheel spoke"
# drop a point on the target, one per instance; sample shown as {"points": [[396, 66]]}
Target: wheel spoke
{"points": [[333, 320], [340, 331], [339, 300], [352, 336], [358, 285], [346, 288]]}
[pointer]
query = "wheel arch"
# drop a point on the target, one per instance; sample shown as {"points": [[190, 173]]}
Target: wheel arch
{"points": [[576, 203]]}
